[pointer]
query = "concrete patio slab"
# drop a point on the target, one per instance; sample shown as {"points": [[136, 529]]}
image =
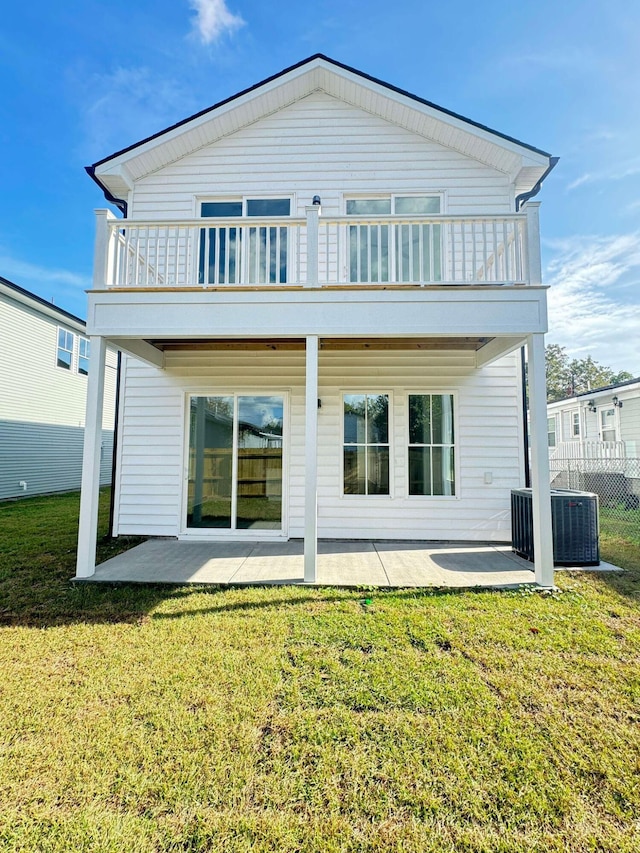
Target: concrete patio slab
{"points": [[340, 563], [350, 564], [452, 565]]}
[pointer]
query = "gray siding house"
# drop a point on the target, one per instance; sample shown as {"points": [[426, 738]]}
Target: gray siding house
{"points": [[44, 363]]}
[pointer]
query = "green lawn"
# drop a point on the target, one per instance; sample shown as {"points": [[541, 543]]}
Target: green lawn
{"points": [[291, 719]]}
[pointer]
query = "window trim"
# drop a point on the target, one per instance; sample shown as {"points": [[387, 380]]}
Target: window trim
{"points": [[434, 392], [575, 413], [616, 422], [390, 444], [555, 431]]}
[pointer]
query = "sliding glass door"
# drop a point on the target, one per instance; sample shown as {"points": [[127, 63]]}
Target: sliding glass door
{"points": [[235, 462]]}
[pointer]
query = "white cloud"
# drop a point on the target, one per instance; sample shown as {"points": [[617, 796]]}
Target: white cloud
{"points": [[127, 105], [590, 313], [21, 271], [213, 18]]}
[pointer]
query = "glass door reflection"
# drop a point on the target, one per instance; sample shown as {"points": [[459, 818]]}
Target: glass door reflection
{"points": [[235, 462]]}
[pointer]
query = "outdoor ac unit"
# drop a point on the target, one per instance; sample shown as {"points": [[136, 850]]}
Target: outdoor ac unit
{"points": [[574, 518]]}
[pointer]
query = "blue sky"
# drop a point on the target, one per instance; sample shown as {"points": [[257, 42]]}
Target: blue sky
{"points": [[81, 79]]}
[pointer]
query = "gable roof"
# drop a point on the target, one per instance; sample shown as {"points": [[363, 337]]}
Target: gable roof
{"points": [[117, 173], [20, 294]]}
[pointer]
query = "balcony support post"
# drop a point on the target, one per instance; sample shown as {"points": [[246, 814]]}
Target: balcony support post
{"points": [[311, 461], [102, 256], [89, 496], [532, 209], [313, 222], [540, 476]]}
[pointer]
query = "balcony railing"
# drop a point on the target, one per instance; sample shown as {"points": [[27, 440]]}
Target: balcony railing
{"points": [[316, 251]]}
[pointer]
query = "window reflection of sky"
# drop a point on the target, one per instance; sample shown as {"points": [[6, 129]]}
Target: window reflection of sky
{"points": [[262, 412]]}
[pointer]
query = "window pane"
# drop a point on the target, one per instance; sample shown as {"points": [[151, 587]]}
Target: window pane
{"points": [[64, 359], [260, 421], [210, 462], [368, 206], [442, 418], [442, 470], [419, 419], [83, 366], [378, 470], [221, 208], [354, 418], [268, 206], [378, 419], [417, 204], [354, 471], [419, 470]]}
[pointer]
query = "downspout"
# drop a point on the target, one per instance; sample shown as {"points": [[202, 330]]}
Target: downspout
{"points": [[524, 197], [112, 498], [525, 420], [520, 200]]}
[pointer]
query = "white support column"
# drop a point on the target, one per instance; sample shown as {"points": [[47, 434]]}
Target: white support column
{"points": [[313, 223], [540, 477], [88, 524], [102, 261], [311, 462], [532, 209]]}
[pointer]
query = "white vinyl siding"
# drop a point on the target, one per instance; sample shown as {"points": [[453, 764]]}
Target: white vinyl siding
{"points": [[42, 407], [489, 420], [323, 146]]}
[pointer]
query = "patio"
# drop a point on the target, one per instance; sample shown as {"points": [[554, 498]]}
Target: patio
{"points": [[340, 563]]}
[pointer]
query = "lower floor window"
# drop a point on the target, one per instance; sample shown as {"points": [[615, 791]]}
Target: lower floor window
{"points": [[366, 444], [431, 445]]}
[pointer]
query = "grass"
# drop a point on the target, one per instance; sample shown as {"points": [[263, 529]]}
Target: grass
{"points": [[620, 522], [290, 719]]}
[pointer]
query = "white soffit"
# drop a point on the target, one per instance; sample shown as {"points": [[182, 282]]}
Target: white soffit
{"points": [[524, 164]]}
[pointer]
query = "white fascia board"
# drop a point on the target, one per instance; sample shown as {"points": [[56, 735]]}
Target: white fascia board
{"points": [[450, 312]]}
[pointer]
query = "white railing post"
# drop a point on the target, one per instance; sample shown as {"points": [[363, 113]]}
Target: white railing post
{"points": [[102, 256], [313, 216], [540, 473], [532, 209]]}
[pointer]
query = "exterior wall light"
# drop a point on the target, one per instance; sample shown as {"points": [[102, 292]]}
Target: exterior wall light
{"points": [[316, 200], [591, 406], [617, 403]]}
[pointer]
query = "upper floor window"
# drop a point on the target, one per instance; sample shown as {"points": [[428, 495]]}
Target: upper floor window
{"points": [[431, 445], [65, 349], [83, 356], [410, 252], [230, 254]]}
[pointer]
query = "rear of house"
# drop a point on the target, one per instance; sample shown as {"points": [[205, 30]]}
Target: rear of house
{"points": [[44, 364], [323, 286]]}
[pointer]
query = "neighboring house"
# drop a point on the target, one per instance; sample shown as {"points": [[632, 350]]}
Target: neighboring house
{"points": [[323, 285], [45, 359], [594, 443], [597, 424]]}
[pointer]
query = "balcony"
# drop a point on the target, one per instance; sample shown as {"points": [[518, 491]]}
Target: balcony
{"points": [[318, 251]]}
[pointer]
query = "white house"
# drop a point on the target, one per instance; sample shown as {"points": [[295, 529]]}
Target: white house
{"points": [[323, 285], [45, 360], [597, 424]]}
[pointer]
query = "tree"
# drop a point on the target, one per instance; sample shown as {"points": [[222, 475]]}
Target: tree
{"points": [[566, 377]]}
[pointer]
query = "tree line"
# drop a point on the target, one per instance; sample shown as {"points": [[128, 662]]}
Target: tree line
{"points": [[569, 376]]}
